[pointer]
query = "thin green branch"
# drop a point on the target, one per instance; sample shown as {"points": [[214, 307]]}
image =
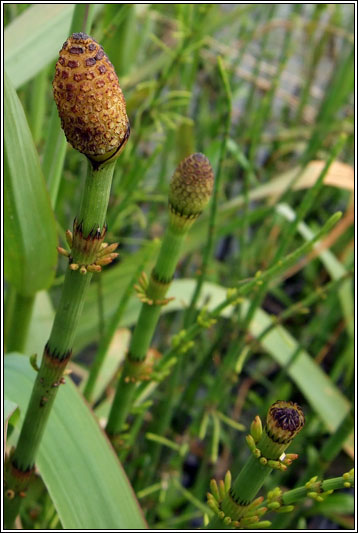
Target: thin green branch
{"points": [[244, 288]]}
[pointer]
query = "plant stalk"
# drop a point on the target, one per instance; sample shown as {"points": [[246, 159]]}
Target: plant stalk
{"points": [[189, 193], [144, 330], [284, 421], [58, 349]]}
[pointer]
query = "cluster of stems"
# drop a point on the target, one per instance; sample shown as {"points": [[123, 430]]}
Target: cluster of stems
{"points": [[190, 191]]}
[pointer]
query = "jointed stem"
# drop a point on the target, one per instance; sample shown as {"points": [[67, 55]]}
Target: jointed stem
{"points": [[95, 198], [234, 504], [189, 193], [108, 335], [58, 348], [294, 495], [245, 288], [145, 326]]}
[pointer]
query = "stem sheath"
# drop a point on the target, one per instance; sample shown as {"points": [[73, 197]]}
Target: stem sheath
{"points": [[58, 349], [145, 327]]}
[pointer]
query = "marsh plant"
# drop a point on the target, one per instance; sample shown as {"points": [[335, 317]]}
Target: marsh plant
{"points": [[136, 371]]}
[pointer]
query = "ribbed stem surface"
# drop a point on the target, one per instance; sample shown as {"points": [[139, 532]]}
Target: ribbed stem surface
{"points": [[145, 327], [58, 349], [249, 481], [95, 198]]}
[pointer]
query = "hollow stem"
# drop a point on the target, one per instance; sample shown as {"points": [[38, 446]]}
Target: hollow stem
{"points": [[107, 337], [58, 349], [158, 286], [294, 495], [284, 421]]}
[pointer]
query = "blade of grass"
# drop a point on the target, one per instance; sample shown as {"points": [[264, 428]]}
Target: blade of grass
{"points": [[84, 478], [30, 236], [41, 28]]}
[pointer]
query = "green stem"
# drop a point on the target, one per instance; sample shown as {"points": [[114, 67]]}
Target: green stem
{"points": [[121, 405], [168, 407], [111, 328], [38, 104], [292, 496], [249, 481], [95, 198], [159, 283], [82, 18], [107, 337], [58, 348], [326, 455], [248, 287], [20, 322]]}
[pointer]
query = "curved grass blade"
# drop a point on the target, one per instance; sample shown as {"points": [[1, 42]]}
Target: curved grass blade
{"points": [[30, 255], [84, 477], [41, 27]]}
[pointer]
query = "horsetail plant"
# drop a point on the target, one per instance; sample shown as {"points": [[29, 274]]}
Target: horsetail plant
{"points": [[190, 191], [277, 500], [234, 504], [93, 116]]}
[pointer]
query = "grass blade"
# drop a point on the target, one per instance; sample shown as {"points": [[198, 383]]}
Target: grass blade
{"points": [[30, 232], [89, 490]]}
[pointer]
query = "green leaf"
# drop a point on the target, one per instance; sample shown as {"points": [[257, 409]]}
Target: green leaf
{"points": [[9, 408], [84, 477], [11, 412], [34, 38], [41, 322], [338, 502], [30, 232]]}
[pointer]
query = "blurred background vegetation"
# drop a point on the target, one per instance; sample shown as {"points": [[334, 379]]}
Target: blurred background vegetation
{"points": [[291, 76]]}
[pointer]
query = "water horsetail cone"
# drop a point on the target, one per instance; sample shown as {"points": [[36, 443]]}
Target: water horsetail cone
{"points": [[284, 421], [89, 99], [191, 186]]}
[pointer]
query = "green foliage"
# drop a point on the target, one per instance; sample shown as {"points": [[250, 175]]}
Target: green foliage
{"points": [[259, 313], [94, 491], [30, 233]]}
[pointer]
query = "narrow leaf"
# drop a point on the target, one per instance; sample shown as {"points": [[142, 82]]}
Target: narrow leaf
{"points": [[84, 477], [10, 411], [30, 232], [34, 38]]}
